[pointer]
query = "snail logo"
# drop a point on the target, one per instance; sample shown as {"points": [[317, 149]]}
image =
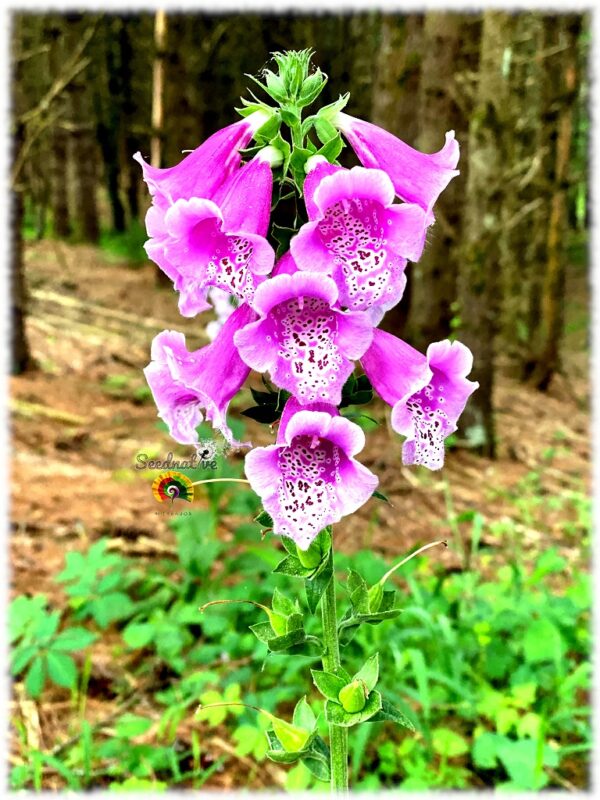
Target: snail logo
{"points": [[173, 486]]}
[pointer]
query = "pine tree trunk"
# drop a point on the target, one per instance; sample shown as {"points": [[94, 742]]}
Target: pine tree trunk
{"points": [[59, 196], [21, 359], [478, 281], [158, 73], [525, 207], [131, 144], [562, 95], [158, 79], [434, 276], [85, 158], [20, 354]]}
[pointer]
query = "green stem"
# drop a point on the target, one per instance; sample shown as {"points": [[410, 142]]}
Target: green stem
{"points": [[338, 737]]}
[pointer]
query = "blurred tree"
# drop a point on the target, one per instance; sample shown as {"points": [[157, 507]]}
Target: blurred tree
{"points": [[525, 200], [559, 95], [158, 83], [478, 276], [110, 76], [394, 100], [61, 217], [83, 130], [434, 276], [21, 358]]}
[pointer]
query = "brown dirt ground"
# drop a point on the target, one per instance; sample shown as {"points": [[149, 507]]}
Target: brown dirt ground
{"points": [[73, 476]]}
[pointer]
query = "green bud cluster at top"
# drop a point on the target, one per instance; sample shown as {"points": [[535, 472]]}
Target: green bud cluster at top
{"points": [[293, 87]]}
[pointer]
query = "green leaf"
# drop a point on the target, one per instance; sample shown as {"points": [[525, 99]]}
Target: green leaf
{"points": [[449, 744], [291, 566], [292, 738], [263, 631], [390, 713], [61, 669], [36, 677], [380, 496], [520, 759], [21, 656], [46, 626], [324, 129], [130, 725], [317, 759], [316, 586], [138, 634], [283, 236], [484, 750], [269, 130], [328, 112], [369, 672], [359, 592], [335, 714], [283, 605], [290, 545], [331, 150], [295, 622], [304, 716], [111, 607], [265, 414], [73, 639], [277, 753], [290, 639], [542, 641], [312, 86], [329, 684], [264, 398]]}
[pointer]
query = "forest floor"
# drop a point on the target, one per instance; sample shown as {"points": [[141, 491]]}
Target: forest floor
{"points": [[80, 418]]}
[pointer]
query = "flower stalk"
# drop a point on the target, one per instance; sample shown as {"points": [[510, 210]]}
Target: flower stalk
{"points": [[338, 736]]}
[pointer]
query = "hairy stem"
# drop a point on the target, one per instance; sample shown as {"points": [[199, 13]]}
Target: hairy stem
{"points": [[338, 737]]}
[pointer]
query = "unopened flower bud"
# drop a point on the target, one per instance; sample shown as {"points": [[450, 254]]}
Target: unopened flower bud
{"points": [[271, 155], [353, 697]]}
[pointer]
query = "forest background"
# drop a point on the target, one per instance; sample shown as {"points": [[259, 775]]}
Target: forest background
{"points": [[505, 270]]}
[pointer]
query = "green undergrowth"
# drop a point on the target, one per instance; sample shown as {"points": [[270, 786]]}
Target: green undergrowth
{"points": [[490, 663]]}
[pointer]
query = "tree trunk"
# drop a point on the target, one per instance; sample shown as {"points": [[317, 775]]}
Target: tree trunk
{"points": [[158, 72], [21, 359], [395, 89], [434, 276], [158, 79], [59, 196], [478, 283], [20, 354], [131, 143], [562, 95], [525, 208], [85, 159]]}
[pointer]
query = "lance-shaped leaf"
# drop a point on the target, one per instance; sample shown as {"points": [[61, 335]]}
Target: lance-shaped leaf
{"points": [[351, 620], [328, 684], [264, 519], [317, 759], [291, 565], [315, 756], [317, 584], [335, 714], [283, 605], [304, 716], [359, 592], [391, 713]]}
